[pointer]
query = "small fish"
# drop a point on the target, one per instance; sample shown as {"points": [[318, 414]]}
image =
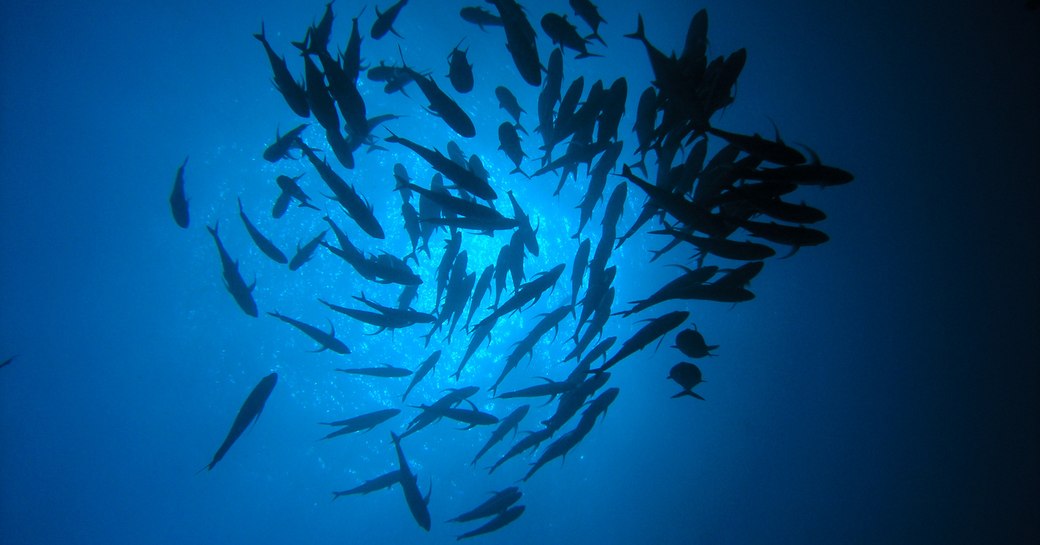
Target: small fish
{"points": [[178, 202], [247, 414], [386, 371]]}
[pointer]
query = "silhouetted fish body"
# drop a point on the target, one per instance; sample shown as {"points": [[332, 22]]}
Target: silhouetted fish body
{"points": [[233, 281], [503, 519], [653, 330], [328, 341], [688, 376], [520, 40], [494, 505], [361, 423], [452, 171], [247, 414], [283, 143], [480, 17], [385, 23], [178, 201], [304, 253], [386, 371], [510, 423], [589, 13], [424, 368], [417, 504], [460, 71], [385, 480], [263, 243], [507, 101], [290, 89]]}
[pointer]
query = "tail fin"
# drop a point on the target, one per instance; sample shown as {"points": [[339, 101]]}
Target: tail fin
{"points": [[595, 34], [687, 393], [640, 33]]}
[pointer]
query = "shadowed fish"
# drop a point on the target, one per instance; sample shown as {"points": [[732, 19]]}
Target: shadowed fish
{"points": [[571, 402], [460, 71], [790, 235], [417, 504], [557, 449], [497, 503], [385, 23], [318, 98], [527, 293], [290, 190], [500, 521], [508, 424], [479, 290], [520, 40], [589, 13], [328, 341], [581, 263], [551, 388], [292, 91], [721, 247], [691, 343], [509, 142], [480, 17], [263, 243], [507, 101], [304, 253], [386, 371], [247, 414], [385, 480], [283, 143], [452, 171], [473, 416], [526, 233], [560, 31], [363, 422], [233, 281], [688, 376], [451, 399], [768, 150], [653, 330], [178, 202], [424, 368], [528, 442], [442, 106]]}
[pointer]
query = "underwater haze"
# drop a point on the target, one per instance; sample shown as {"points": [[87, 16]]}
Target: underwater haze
{"points": [[881, 387]]}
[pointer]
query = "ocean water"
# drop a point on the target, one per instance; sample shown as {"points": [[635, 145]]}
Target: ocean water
{"points": [[880, 388]]}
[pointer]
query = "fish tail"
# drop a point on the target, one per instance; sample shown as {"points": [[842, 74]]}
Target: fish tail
{"points": [[640, 33]]}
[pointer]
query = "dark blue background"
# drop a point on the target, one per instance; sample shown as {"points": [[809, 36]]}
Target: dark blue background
{"points": [[881, 388]]}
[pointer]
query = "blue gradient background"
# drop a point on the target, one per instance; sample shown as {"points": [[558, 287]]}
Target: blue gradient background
{"points": [[881, 388]]}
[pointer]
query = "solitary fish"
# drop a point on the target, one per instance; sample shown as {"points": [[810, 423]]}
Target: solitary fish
{"points": [[247, 414], [178, 202], [687, 375]]}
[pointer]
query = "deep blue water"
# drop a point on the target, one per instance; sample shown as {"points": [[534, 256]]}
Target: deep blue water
{"points": [[881, 388]]}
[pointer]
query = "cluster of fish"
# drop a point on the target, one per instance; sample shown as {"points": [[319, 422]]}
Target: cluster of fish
{"points": [[707, 204]]}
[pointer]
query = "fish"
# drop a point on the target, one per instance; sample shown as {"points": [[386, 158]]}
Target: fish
{"points": [[509, 142], [507, 101], [8, 361], [653, 330], [424, 368], [721, 247], [691, 343], [290, 190], [510, 423], [385, 480], [263, 243], [581, 263], [473, 416], [454, 397], [768, 150], [385, 23], [688, 376], [417, 504], [318, 98], [351, 61], [386, 371], [527, 293], [178, 202], [480, 17], [560, 31], [460, 71], [494, 505], [328, 341], [480, 289], [452, 171], [364, 422], [356, 206], [528, 442], [589, 13], [248, 414], [283, 143], [233, 281], [527, 234], [520, 40], [556, 449], [290, 89], [304, 253], [504, 518], [551, 388]]}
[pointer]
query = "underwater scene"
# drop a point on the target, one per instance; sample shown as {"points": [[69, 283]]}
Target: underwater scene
{"points": [[513, 272]]}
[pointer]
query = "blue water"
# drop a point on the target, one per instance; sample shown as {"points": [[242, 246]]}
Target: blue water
{"points": [[881, 388]]}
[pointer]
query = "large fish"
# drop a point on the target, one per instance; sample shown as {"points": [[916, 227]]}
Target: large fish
{"points": [[385, 23], [247, 414], [385, 480], [262, 242]]}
